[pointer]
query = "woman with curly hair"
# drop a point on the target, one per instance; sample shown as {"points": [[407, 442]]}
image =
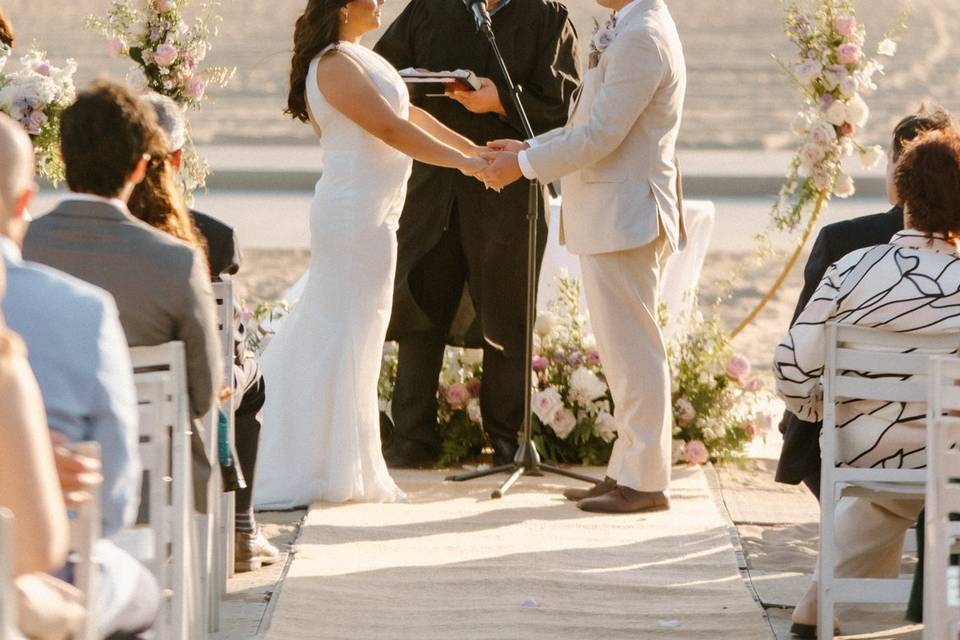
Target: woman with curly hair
{"points": [[909, 285]]}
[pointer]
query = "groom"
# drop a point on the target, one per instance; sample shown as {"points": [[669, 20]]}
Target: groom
{"points": [[622, 215]]}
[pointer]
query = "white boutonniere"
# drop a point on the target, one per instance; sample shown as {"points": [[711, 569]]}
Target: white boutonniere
{"points": [[602, 38]]}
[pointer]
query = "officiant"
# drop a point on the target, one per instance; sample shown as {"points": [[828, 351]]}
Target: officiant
{"points": [[461, 273]]}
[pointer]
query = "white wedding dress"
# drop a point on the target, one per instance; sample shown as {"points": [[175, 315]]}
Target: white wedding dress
{"points": [[320, 439]]}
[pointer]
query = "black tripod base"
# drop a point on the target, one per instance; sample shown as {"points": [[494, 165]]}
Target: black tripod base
{"points": [[527, 463]]}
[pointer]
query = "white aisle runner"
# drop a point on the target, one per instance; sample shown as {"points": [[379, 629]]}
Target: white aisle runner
{"points": [[454, 564]]}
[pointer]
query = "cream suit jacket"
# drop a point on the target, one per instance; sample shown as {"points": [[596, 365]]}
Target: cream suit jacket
{"points": [[616, 155]]}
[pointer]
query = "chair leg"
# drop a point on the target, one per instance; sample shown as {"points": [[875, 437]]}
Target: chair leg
{"points": [[827, 560]]}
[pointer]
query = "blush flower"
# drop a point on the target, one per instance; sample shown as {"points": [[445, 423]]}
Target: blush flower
{"points": [[540, 364], [563, 423], [871, 156], [546, 404], [844, 187], [695, 452], [195, 87], [844, 25], [685, 412], [165, 55], [738, 367], [162, 6], [849, 53], [457, 396]]}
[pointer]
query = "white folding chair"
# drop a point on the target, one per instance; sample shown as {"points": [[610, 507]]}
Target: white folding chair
{"points": [[867, 364], [160, 377], [85, 528], [224, 538], [941, 582], [8, 612]]}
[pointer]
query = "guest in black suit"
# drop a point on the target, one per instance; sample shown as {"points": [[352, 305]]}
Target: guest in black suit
{"points": [[462, 253], [223, 254], [800, 456]]}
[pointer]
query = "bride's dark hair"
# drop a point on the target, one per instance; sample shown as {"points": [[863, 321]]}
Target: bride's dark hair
{"points": [[318, 27]]}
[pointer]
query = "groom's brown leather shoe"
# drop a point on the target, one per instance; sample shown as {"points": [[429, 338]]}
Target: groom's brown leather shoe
{"points": [[626, 500], [576, 495]]}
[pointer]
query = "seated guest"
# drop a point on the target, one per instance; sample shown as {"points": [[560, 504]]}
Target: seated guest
{"points": [[156, 201], [79, 354], [910, 284], [161, 285], [800, 455]]}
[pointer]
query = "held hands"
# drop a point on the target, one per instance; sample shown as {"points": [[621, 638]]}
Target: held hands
{"points": [[504, 166], [486, 99]]}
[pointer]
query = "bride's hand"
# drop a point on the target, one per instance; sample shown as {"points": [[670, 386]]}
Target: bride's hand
{"points": [[472, 166]]}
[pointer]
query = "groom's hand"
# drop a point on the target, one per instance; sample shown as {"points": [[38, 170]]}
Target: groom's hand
{"points": [[504, 169], [486, 99], [513, 146]]}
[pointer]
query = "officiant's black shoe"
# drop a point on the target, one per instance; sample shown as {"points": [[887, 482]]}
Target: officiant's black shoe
{"points": [[405, 454], [504, 451], [626, 500], [576, 495]]}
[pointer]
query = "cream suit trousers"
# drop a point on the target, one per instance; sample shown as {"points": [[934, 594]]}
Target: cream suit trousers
{"points": [[622, 290]]}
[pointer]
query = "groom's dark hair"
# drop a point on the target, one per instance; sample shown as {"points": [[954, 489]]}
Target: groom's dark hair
{"points": [[913, 125], [103, 136]]}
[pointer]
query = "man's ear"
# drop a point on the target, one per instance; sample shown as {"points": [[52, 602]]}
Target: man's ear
{"points": [[176, 159], [22, 203], [140, 171]]}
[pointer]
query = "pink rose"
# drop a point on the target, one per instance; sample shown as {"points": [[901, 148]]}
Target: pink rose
{"points": [[738, 367], [43, 69], [165, 55], [844, 25], [540, 364], [162, 6], [848, 53], [457, 396], [696, 453], [751, 430], [195, 87], [685, 412], [593, 358], [117, 47]]}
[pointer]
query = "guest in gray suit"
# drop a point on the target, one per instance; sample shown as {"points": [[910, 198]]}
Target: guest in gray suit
{"points": [[79, 355], [160, 284]]}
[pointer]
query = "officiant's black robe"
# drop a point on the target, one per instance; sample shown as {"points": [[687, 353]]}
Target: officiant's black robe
{"points": [[539, 44]]}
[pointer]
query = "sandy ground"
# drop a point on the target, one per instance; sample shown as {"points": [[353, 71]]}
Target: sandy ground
{"points": [[738, 97]]}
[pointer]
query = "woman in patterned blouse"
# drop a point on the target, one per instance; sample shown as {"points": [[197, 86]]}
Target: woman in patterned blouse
{"points": [[911, 284]]}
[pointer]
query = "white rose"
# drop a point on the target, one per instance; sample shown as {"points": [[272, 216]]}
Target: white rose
{"points": [[585, 386], [807, 71], [606, 426], [844, 187], [473, 411], [849, 86], [546, 323], [800, 123], [589, 343], [811, 154], [823, 134], [137, 79], [887, 47], [836, 114], [846, 147], [871, 156], [563, 423], [857, 111], [546, 404]]}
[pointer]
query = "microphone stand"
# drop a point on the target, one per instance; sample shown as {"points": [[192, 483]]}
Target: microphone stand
{"points": [[527, 461]]}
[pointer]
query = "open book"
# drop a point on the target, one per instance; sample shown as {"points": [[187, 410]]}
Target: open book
{"points": [[459, 79]]}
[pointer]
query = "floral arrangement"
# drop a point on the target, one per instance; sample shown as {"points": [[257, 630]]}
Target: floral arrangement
{"points": [[168, 52], [718, 406], [834, 73], [259, 323], [35, 96], [602, 38]]}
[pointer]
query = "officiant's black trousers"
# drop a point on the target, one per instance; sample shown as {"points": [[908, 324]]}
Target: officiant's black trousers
{"points": [[438, 286]]}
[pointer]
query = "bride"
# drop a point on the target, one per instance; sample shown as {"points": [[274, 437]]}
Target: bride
{"points": [[321, 438]]}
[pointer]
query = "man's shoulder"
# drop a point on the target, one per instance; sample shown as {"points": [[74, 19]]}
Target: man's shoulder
{"points": [[45, 284], [863, 231]]}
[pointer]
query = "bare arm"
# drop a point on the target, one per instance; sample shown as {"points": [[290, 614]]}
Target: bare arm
{"points": [[443, 133], [28, 476], [347, 88]]}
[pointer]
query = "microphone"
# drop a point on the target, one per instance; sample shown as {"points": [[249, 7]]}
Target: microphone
{"points": [[480, 14]]}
